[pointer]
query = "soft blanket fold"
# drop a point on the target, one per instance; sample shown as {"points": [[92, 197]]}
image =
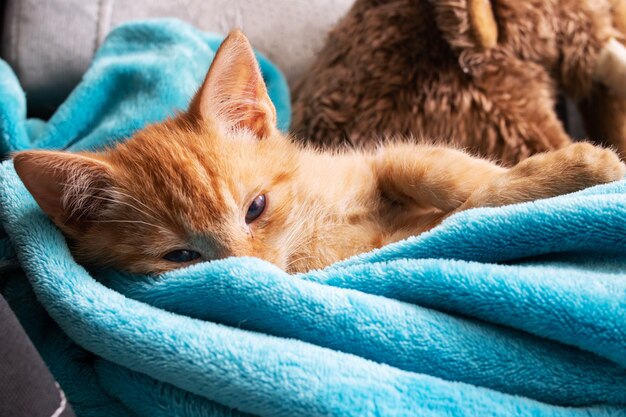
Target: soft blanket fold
{"points": [[513, 311]]}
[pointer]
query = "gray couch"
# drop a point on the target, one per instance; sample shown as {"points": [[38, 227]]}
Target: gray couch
{"points": [[50, 43]]}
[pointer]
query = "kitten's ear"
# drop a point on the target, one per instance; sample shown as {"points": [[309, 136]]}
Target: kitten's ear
{"points": [[234, 91], [69, 188]]}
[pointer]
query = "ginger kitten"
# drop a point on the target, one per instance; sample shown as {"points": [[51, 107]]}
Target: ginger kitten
{"points": [[220, 180]]}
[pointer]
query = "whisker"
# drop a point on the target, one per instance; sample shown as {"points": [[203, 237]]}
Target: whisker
{"points": [[117, 191], [152, 214], [296, 260], [127, 221], [113, 200]]}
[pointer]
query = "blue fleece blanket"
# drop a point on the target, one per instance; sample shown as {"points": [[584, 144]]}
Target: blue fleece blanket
{"points": [[513, 311]]}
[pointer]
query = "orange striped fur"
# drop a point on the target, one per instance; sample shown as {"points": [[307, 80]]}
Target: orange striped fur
{"points": [[187, 184]]}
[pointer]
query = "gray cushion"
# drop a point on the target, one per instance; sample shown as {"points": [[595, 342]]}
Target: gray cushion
{"points": [[50, 43]]}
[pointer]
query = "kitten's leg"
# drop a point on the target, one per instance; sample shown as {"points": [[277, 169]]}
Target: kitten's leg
{"points": [[431, 177], [567, 170], [451, 181]]}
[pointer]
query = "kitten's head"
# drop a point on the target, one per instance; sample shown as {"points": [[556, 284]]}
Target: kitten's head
{"points": [[211, 183]]}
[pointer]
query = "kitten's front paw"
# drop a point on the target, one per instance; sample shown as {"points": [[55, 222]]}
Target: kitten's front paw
{"points": [[590, 164]]}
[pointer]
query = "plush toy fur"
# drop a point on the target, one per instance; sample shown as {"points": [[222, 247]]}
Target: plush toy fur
{"points": [[439, 70]]}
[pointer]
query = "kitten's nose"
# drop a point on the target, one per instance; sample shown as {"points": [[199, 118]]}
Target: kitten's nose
{"points": [[223, 253], [218, 252], [212, 248]]}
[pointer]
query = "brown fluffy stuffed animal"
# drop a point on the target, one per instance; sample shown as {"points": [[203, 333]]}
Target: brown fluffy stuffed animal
{"points": [[481, 75]]}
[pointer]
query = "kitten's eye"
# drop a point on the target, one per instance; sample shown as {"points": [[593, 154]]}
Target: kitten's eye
{"points": [[256, 209], [181, 255]]}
